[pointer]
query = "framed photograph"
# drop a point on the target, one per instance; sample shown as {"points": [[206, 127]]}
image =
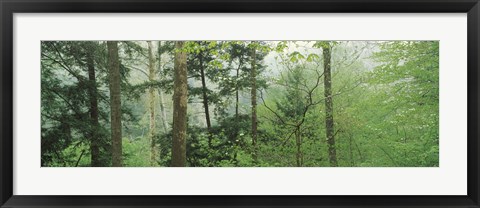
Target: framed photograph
{"points": [[268, 103]]}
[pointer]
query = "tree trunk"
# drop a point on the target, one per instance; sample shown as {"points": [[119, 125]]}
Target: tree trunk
{"points": [[92, 92], [332, 153], [236, 91], [179, 107], [205, 100], [164, 113], [115, 103], [254, 104], [237, 116], [298, 141], [151, 106], [160, 93]]}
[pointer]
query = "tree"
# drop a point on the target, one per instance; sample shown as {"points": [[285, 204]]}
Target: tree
{"points": [[408, 76], [294, 97], [161, 99], [203, 64], [95, 139], [238, 86], [179, 106], [115, 103], [72, 106], [232, 80], [292, 109], [254, 101], [327, 55], [151, 105]]}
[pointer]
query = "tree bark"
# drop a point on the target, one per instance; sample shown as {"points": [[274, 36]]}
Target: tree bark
{"points": [[332, 153], [254, 104], [92, 92], [179, 107], [151, 103], [115, 103]]}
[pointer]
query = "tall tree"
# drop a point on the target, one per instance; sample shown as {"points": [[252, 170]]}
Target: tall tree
{"points": [[205, 97], [115, 103], [203, 64], [93, 109], [241, 53], [254, 101], [179, 107], [327, 55], [151, 105]]}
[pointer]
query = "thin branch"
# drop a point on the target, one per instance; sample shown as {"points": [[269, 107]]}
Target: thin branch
{"points": [[275, 113], [79, 158]]}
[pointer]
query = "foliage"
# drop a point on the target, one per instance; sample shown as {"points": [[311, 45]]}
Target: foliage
{"points": [[385, 103]]}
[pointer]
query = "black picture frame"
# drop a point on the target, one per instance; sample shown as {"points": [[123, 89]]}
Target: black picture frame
{"points": [[9, 7]]}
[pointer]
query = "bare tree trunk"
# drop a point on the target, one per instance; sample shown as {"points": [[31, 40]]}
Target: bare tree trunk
{"points": [[332, 153], [115, 103], [151, 103], [162, 104], [92, 92], [254, 104], [205, 101], [179, 107]]}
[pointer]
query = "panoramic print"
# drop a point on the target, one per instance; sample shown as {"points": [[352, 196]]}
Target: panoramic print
{"points": [[239, 103]]}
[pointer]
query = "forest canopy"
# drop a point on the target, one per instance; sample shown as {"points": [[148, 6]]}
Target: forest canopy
{"points": [[240, 103]]}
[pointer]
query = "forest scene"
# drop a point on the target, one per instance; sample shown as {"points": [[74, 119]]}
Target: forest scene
{"points": [[239, 103]]}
